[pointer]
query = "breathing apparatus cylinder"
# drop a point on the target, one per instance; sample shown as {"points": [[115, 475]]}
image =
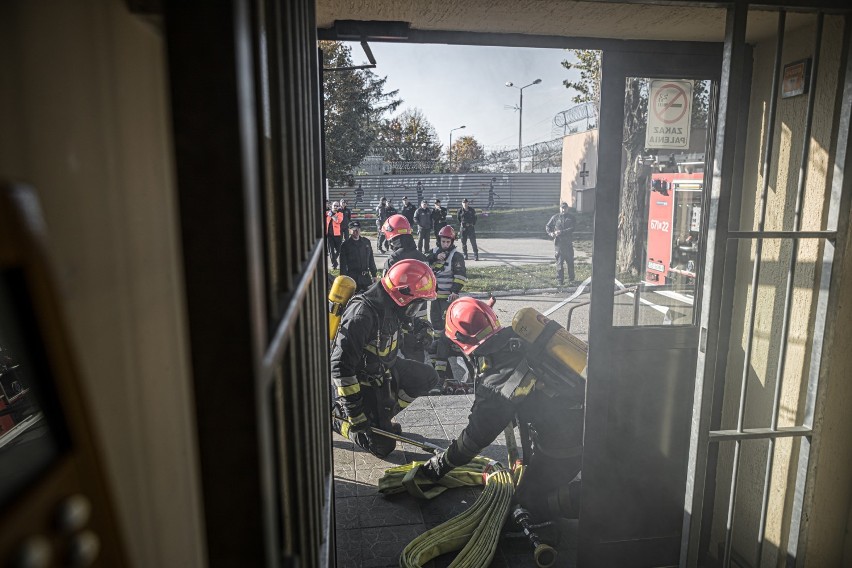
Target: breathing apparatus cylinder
{"points": [[341, 291], [552, 340]]}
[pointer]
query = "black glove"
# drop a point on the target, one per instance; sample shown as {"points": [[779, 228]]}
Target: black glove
{"points": [[437, 467]]}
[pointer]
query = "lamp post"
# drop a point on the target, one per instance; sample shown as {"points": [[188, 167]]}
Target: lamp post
{"points": [[450, 151], [521, 115]]}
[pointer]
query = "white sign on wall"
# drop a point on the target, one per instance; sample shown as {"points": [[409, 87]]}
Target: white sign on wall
{"points": [[669, 114]]}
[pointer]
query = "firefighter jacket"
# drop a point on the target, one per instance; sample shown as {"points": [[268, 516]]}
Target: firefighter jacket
{"points": [[565, 223], [365, 348], [357, 262], [466, 217], [332, 223], [506, 388], [408, 212], [423, 218], [403, 247], [439, 217], [449, 269]]}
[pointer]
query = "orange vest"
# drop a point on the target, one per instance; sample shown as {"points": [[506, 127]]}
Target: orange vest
{"points": [[335, 220]]}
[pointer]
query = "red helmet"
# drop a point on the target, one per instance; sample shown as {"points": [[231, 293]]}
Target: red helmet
{"points": [[470, 323], [447, 231], [409, 280], [395, 226]]}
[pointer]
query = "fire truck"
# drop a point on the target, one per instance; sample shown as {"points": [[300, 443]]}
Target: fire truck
{"points": [[674, 227]]}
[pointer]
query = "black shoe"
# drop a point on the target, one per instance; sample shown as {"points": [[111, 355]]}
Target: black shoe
{"points": [[476, 258], [465, 256]]}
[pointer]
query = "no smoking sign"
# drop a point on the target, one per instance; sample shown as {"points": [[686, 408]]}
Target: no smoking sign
{"points": [[669, 114]]}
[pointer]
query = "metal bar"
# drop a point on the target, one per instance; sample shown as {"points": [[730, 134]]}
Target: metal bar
{"points": [[825, 327], [636, 293], [782, 235], [759, 433], [752, 305], [288, 321], [724, 159], [788, 293]]}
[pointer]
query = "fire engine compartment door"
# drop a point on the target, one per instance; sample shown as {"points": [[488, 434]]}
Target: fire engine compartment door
{"points": [[643, 345]]}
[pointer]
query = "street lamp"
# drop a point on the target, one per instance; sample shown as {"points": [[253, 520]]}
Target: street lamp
{"points": [[521, 114], [450, 151]]}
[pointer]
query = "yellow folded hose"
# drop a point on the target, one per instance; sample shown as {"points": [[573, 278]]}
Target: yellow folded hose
{"points": [[475, 532], [404, 478]]}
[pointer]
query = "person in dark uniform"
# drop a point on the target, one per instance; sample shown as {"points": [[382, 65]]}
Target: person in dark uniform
{"points": [[439, 218], [383, 211], [347, 219], [450, 272], [491, 193], [423, 220], [511, 386], [417, 334], [371, 382], [419, 190], [408, 209], [356, 258], [359, 195], [561, 229], [467, 228]]}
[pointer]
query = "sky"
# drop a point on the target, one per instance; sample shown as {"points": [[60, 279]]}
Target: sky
{"points": [[466, 85]]}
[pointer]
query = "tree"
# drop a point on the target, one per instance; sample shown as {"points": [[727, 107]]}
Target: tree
{"points": [[409, 142], [464, 154], [354, 104], [636, 174]]}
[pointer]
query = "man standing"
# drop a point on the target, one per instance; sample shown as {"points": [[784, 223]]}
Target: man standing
{"points": [[511, 385], [561, 229], [383, 211], [491, 194], [371, 382], [408, 210], [359, 195], [419, 190], [451, 276], [467, 224], [333, 236], [439, 218], [423, 220], [356, 258], [347, 218]]}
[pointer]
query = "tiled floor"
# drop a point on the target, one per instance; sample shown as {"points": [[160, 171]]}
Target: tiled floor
{"points": [[373, 529]]}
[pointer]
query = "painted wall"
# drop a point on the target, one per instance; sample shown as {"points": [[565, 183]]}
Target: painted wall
{"points": [[84, 109], [827, 528], [578, 150]]}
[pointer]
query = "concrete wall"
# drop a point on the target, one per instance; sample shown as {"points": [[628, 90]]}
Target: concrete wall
{"points": [[84, 109], [578, 149], [764, 362]]}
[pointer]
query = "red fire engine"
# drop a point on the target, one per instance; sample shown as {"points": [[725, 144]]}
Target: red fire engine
{"points": [[674, 227]]}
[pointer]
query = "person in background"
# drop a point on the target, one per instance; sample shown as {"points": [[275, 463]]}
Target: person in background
{"points": [[356, 258], [333, 237], [347, 218], [408, 210], [561, 229], [439, 218], [451, 276], [467, 227], [423, 220], [491, 193], [419, 190], [383, 211], [359, 195]]}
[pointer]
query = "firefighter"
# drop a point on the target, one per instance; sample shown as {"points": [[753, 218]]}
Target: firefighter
{"points": [[439, 218], [333, 235], [356, 258], [467, 227], [548, 411], [561, 230], [449, 268], [423, 220], [416, 333], [371, 382]]}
